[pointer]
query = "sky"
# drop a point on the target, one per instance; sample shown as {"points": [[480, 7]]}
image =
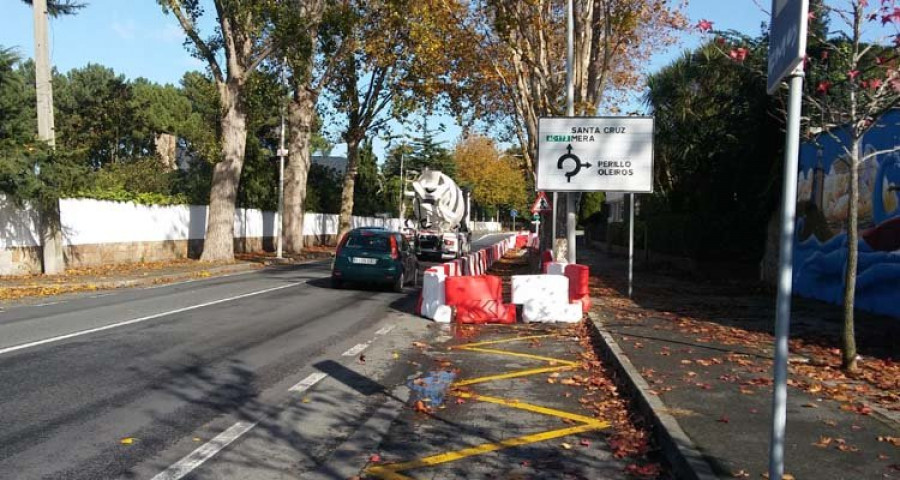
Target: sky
{"points": [[135, 38]]}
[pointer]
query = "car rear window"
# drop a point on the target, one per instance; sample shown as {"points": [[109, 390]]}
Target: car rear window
{"points": [[369, 241]]}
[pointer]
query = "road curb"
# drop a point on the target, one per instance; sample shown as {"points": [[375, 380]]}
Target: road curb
{"points": [[679, 450]]}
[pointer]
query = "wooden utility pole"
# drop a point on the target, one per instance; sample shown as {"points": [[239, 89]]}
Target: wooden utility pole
{"points": [[51, 239]]}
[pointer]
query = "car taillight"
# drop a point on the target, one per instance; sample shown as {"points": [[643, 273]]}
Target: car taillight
{"points": [[395, 254], [341, 244]]}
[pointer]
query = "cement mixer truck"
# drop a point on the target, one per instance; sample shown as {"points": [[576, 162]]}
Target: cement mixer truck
{"points": [[441, 212]]}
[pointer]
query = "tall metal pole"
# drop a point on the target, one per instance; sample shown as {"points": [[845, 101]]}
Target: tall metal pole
{"points": [[401, 213], [630, 244], [553, 243], [51, 238], [570, 111], [281, 154], [785, 275]]}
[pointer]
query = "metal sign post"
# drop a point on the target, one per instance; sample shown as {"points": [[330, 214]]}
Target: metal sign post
{"points": [[570, 111], [787, 44], [630, 244], [513, 213], [282, 152]]}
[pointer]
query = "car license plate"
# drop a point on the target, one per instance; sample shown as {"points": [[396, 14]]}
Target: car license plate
{"points": [[365, 261]]}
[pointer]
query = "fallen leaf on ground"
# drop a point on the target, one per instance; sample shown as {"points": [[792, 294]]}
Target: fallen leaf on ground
{"points": [[740, 474], [420, 344], [810, 405], [420, 406], [723, 419], [585, 442], [650, 471], [362, 359], [127, 441], [895, 441], [566, 446], [823, 442], [375, 458]]}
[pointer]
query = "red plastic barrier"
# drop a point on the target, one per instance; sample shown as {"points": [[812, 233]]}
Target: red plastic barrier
{"points": [[487, 311], [478, 299], [579, 288], [579, 276], [472, 288], [521, 241]]}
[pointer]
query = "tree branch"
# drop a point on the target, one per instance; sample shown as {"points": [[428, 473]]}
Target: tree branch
{"points": [[190, 30]]}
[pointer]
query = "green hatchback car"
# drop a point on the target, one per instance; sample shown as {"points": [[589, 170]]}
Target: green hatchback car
{"points": [[373, 255]]}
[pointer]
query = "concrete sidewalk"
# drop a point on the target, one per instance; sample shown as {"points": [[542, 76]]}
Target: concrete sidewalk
{"points": [[26, 288], [700, 356]]}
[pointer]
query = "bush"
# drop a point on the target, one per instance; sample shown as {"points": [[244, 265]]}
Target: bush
{"points": [[143, 181]]}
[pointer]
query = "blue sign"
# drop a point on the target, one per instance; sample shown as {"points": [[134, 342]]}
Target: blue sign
{"points": [[514, 213], [787, 39]]}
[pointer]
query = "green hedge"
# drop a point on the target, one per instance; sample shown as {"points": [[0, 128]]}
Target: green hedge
{"points": [[142, 198]]}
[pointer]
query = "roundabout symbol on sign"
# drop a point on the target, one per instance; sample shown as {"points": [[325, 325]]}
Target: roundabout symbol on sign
{"points": [[578, 164]]}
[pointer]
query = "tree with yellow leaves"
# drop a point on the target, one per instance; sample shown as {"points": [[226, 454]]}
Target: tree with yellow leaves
{"points": [[495, 179]]}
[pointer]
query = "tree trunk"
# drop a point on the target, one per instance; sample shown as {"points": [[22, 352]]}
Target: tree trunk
{"points": [[301, 113], [353, 139], [219, 242], [848, 354], [166, 144]]}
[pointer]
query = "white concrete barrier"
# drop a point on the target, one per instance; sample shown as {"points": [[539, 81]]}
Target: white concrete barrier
{"points": [[551, 311], [556, 268], [527, 288], [433, 294]]}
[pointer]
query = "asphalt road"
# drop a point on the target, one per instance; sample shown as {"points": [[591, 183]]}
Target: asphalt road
{"points": [[260, 375]]}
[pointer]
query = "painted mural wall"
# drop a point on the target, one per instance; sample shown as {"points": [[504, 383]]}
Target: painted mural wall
{"points": [[820, 241]]}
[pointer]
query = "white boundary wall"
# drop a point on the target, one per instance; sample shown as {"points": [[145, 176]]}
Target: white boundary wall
{"points": [[18, 226], [91, 222]]}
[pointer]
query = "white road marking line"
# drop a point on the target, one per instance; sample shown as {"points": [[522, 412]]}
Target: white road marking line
{"points": [[67, 336], [306, 383], [359, 347], [196, 458], [385, 330], [44, 304]]}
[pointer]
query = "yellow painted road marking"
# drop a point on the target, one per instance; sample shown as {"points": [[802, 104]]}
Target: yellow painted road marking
{"points": [[521, 355], [481, 449], [504, 376], [534, 408], [505, 340], [390, 471]]}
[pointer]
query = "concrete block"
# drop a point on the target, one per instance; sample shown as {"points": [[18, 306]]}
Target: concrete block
{"points": [[542, 311], [433, 295], [443, 314], [556, 268], [551, 288]]}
